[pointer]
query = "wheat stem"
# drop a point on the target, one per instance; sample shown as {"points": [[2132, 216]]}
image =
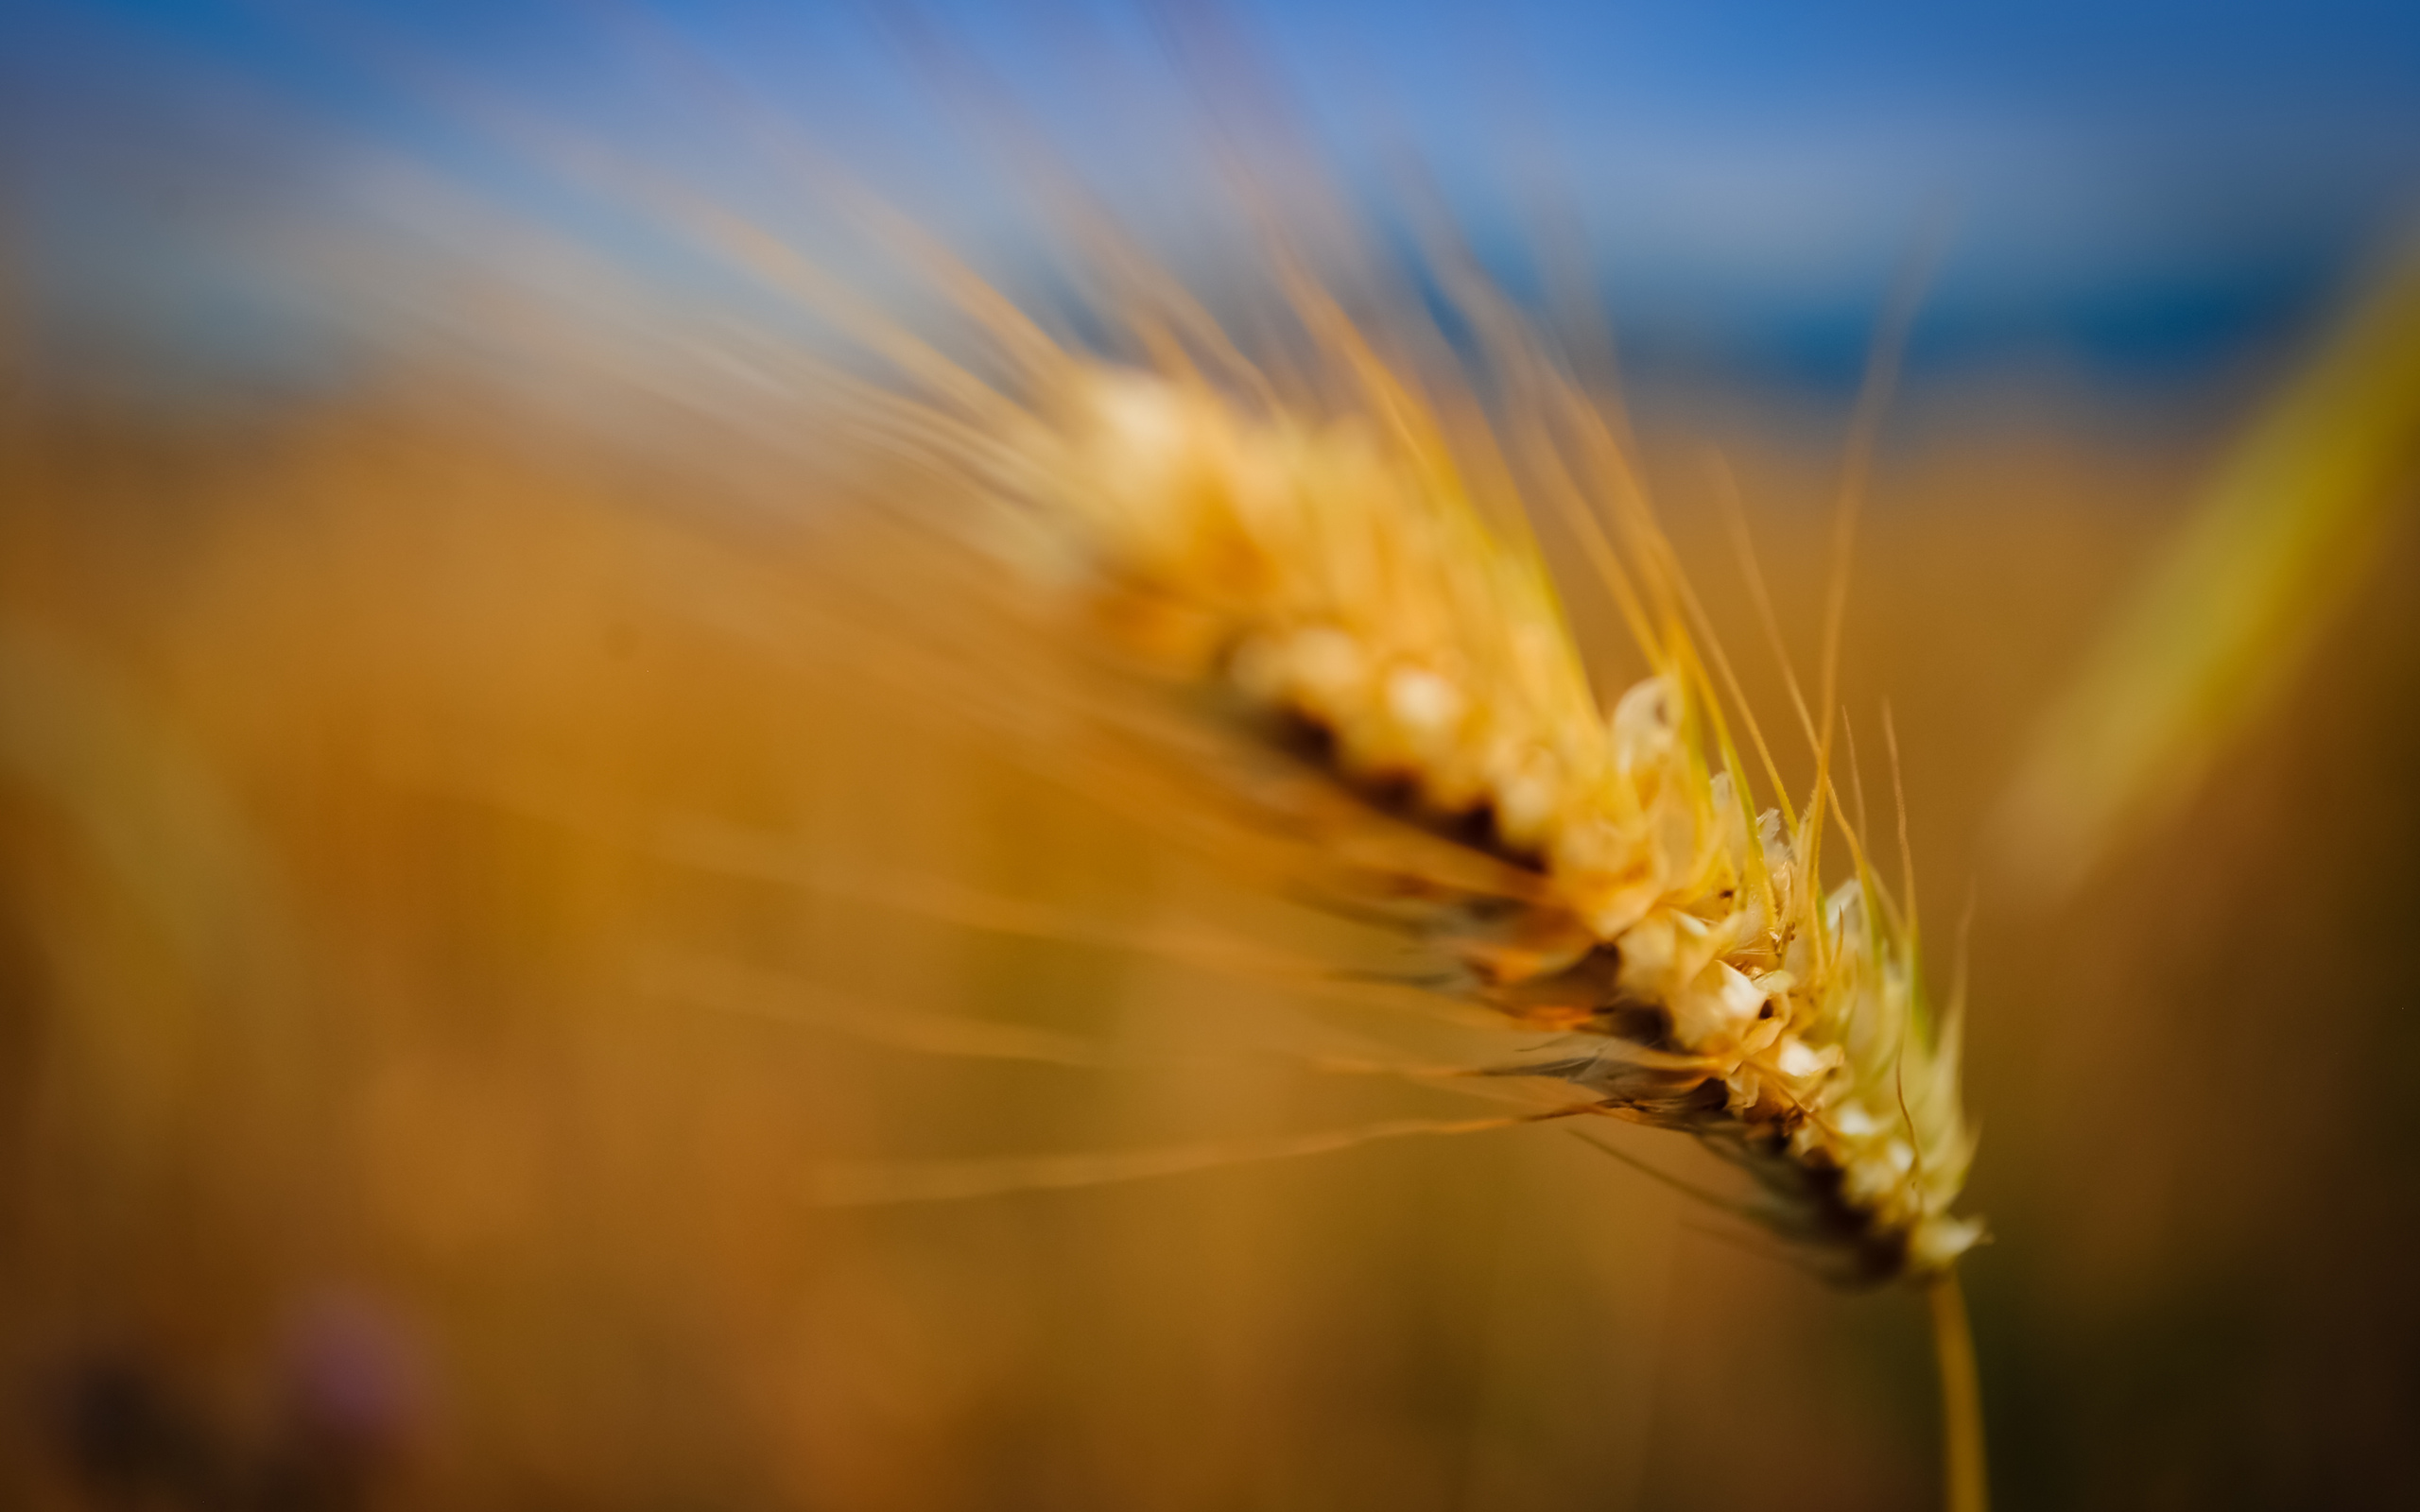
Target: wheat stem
{"points": [[1962, 1399]]}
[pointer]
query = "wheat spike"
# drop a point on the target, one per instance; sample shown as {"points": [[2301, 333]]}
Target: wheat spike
{"points": [[1331, 583]]}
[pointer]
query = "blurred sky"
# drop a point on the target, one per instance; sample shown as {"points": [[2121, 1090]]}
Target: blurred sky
{"points": [[2134, 192]]}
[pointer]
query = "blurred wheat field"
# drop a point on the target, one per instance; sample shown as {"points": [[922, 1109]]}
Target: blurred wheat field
{"points": [[448, 851]]}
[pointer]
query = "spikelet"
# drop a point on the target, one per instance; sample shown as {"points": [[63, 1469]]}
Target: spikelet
{"points": [[1332, 584]]}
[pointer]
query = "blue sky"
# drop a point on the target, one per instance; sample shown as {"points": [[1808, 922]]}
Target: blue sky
{"points": [[2137, 189]]}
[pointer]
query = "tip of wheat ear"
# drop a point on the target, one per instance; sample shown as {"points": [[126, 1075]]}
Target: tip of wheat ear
{"points": [[1333, 573]]}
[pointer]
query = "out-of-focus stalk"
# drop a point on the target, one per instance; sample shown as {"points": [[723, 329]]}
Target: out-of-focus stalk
{"points": [[2279, 541]]}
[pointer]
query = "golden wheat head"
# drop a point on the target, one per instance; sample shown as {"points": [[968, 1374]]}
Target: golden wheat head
{"points": [[1332, 581]]}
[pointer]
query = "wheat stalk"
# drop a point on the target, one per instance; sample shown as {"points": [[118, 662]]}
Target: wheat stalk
{"points": [[2283, 533], [1358, 582], [1353, 574]]}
